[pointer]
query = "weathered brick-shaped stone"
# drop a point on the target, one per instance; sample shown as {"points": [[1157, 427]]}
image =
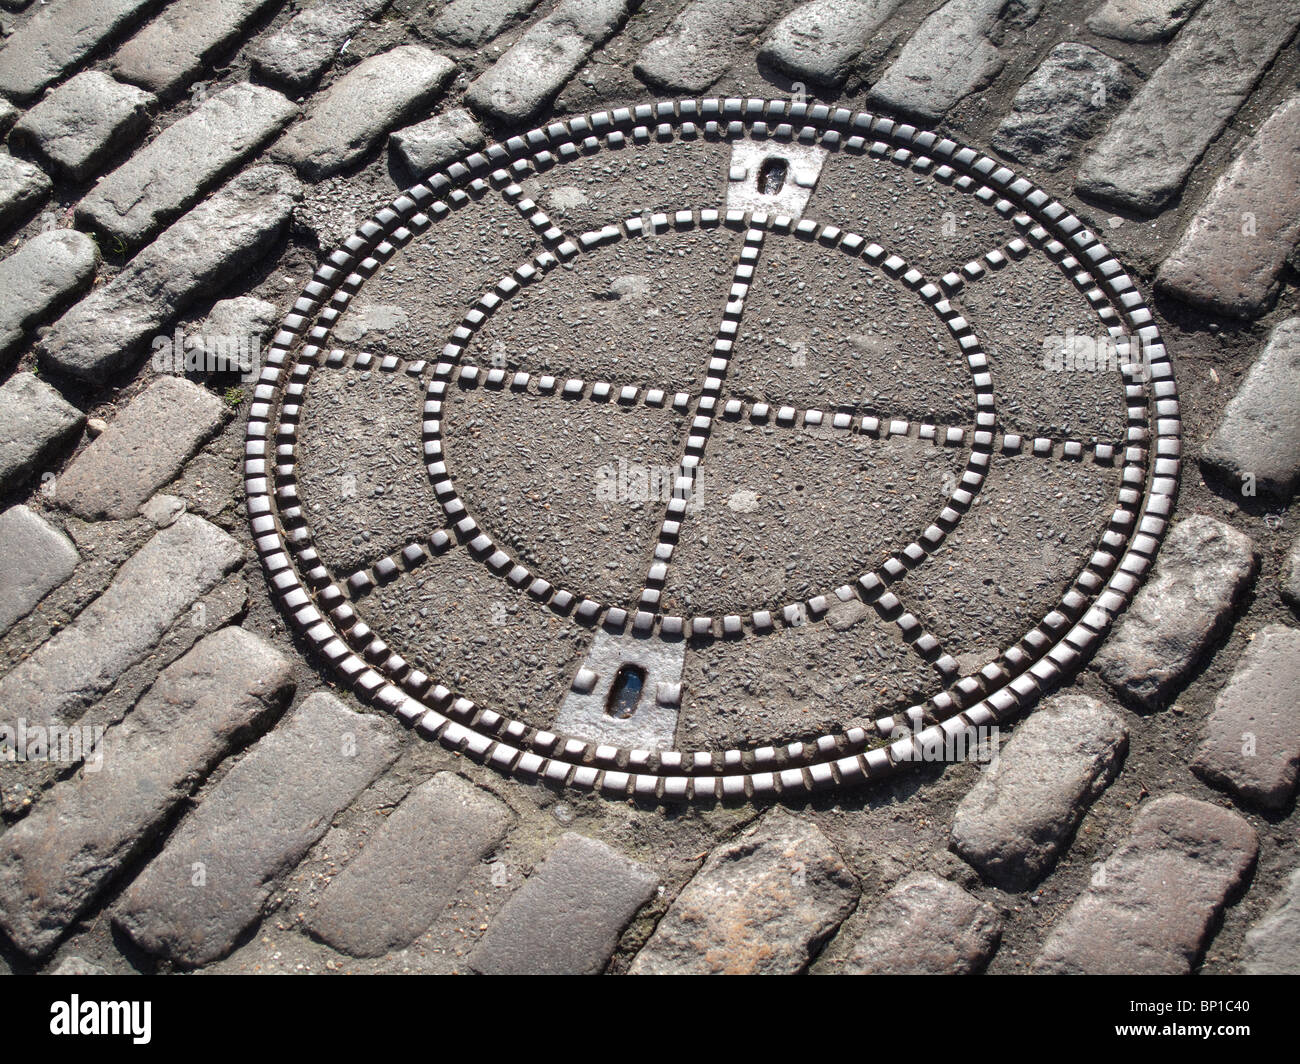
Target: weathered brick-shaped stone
{"points": [[1252, 739], [404, 877], [1232, 252], [142, 449], [41, 276], [1145, 156], [821, 40], [1291, 576], [1061, 104], [1273, 944], [1202, 568], [950, 56], [242, 318], [301, 50], [209, 245], [75, 129], [1023, 811], [1151, 905], [23, 187], [55, 861], [80, 664], [926, 926], [470, 23], [1141, 20], [354, 113], [703, 41], [36, 423], [566, 919], [58, 37], [432, 144], [1258, 443], [37, 558], [172, 50], [763, 903], [252, 828], [524, 79], [184, 161]]}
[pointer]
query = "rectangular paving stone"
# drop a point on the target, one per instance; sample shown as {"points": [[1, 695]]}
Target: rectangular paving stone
{"points": [[214, 876], [761, 904], [56, 860], [58, 37], [23, 187], [1151, 904], [549, 52], [432, 144], [1022, 811], [1229, 258], [470, 23], [703, 42], [1145, 155], [394, 889], [184, 161], [80, 124], [1252, 739], [172, 49], [36, 423], [41, 276], [207, 247], [79, 664], [821, 40], [1201, 571], [301, 50], [142, 449], [1257, 444], [1141, 20], [926, 926], [567, 917], [37, 558], [1273, 943], [950, 56], [353, 114]]}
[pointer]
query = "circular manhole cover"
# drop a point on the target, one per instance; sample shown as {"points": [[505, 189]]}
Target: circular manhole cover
{"points": [[712, 449]]}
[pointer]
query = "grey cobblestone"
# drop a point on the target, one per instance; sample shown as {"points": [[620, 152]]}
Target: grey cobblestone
{"points": [[703, 41], [1233, 250], [1273, 943], [184, 161], [524, 79], [23, 187], [470, 23], [37, 558], [1141, 20], [1258, 443], [207, 246], [1252, 739], [142, 449], [821, 40], [1291, 576], [1202, 569], [404, 877], [59, 37], [80, 663], [171, 50], [926, 926], [1023, 810], [214, 876], [1145, 156], [567, 917], [1151, 904], [80, 124], [762, 904], [437, 141], [8, 115], [55, 861], [350, 117], [298, 53], [42, 275], [35, 423]]}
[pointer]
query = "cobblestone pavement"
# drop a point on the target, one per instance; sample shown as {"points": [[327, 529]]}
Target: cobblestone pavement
{"points": [[588, 486]]}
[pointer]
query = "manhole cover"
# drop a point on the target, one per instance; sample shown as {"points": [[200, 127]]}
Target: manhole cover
{"points": [[697, 449]]}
